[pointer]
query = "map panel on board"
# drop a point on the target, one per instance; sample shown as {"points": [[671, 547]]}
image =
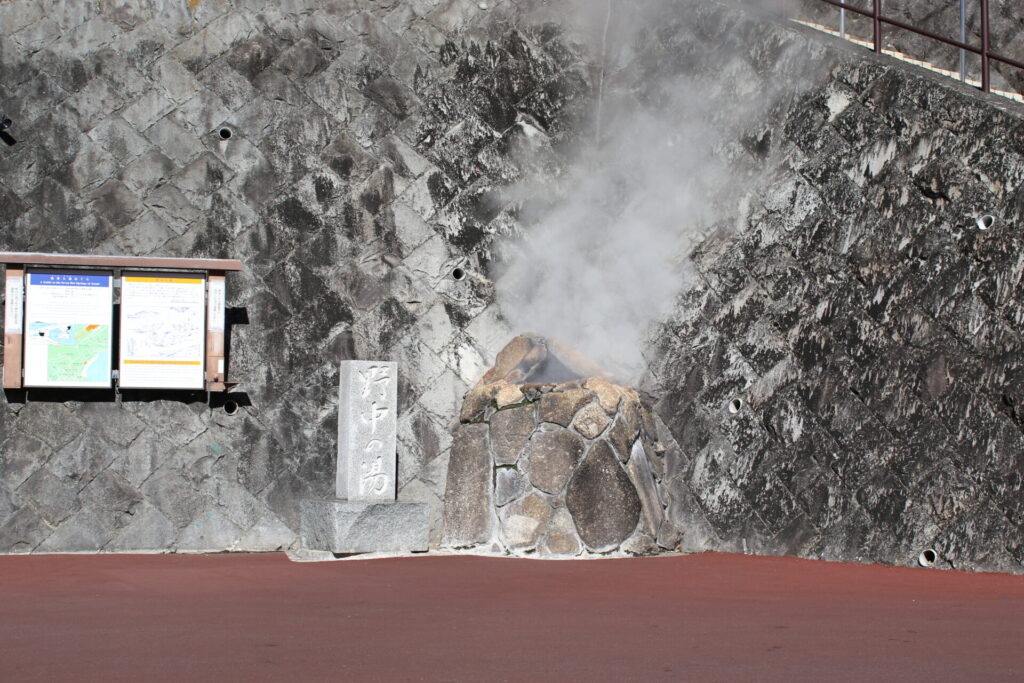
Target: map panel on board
{"points": [[68, 320]]}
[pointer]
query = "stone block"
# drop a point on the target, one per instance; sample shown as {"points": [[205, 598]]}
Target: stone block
{"points": [[510, 429], [150, 168], [82, 459], [604, 505], [144, 235], [112, 498], [608, 395], [174, 497], [561, 536], [174, 141], [640, 545], [116, 203], [553, 455], [92, 166], [623, 433], [367, 430], [560, 406], [591, 421], [148, 531], [175, 79], [561, 543], [166, 199], [93, 103], [53, 499], [83, 532], [210, 530], [23, 531], [669, 536], [523, 522], [146, 110], [467, 505], [509, 484], [639, 469], [342, 526]]}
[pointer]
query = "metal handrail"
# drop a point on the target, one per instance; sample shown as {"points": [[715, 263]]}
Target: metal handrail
{"points": [[985, 50]]}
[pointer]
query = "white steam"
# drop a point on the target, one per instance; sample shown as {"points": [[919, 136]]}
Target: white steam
{"points": [[607, 255]]}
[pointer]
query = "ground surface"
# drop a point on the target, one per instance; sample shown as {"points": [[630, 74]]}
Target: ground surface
{"points": [[706, 617]]}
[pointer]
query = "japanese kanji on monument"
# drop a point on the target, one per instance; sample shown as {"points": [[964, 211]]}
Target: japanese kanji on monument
{"points": [[367, 407]]}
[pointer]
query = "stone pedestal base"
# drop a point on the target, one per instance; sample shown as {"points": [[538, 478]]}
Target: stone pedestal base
{"points": [[342, 526]]}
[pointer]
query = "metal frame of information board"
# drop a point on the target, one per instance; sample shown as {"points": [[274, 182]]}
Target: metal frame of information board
{"points": [[216, 271]]}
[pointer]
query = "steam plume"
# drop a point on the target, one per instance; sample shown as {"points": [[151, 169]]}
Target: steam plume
{"points": [[607, 254]]}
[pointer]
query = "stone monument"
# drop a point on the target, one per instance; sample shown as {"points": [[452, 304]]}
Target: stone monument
{"points": [[364, 516]]}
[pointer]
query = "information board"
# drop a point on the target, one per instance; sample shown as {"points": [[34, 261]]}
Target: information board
{"points": [[163, 331], [68, 319]]}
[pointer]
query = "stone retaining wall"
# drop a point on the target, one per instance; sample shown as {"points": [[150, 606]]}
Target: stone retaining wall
{"points": [[870, 330], [366, 140], [872, 335]]}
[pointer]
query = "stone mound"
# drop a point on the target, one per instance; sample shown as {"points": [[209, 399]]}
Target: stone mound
{"points": [[552, 458], [527, 363]]}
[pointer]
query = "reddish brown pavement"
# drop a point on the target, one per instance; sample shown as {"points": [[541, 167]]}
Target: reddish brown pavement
{"points": [[461, 618]]}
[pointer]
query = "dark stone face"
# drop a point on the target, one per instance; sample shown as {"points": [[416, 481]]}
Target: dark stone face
{"points": [[553, 456], [603, 502], [855, 317]]}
